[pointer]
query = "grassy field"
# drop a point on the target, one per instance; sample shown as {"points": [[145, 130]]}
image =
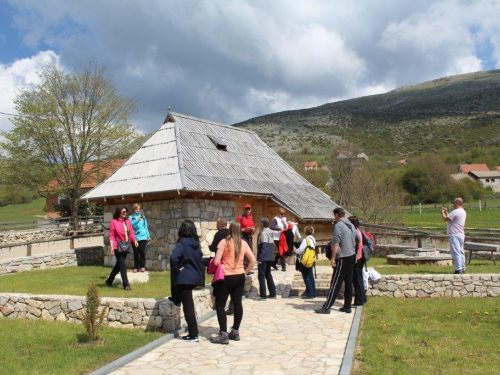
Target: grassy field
{"points": [[429, 336], [42, 347], [25, 211], [380, 264], [475, 219], [75, 280]]}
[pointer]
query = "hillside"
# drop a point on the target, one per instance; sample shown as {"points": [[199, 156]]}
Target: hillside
{"points": [[459, 112]]}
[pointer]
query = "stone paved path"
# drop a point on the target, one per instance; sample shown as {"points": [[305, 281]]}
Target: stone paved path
{"points": [[282, 336]]}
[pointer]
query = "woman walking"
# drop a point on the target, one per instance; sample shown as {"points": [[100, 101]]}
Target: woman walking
{"points": [[307, 272], [357, 279], [186, 273], [120, 233], [231, 253], [141, 231]]}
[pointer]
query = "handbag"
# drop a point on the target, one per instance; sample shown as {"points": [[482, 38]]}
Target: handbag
{"points": [[217, 271], [123, 247]]}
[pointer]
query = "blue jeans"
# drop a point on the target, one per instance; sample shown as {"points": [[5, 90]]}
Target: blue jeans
{"points": [[308, 276], [265, 275], [457, 251]]}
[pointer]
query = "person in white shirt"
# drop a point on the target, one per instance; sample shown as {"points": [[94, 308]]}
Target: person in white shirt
{"points": [[456, 223], [279, 225], [307, 273]]}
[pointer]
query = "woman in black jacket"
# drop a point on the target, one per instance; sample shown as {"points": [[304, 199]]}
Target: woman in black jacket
{"points": [[186, 273]]}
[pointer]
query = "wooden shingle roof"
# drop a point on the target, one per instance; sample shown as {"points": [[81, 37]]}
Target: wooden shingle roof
{"points": [[182, 155]]}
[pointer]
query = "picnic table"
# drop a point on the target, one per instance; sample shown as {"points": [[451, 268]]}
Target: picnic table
{"points": [[476, 246]]}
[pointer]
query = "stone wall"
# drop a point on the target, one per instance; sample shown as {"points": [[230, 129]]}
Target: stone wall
{"points": [[28, 236], [80, 256], [140, 313], [423, 286], [164, 219], [382, 250]]}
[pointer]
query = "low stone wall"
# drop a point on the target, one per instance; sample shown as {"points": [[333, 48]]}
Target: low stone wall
{"points": [[383, 250], [32, 235], [78, 257], [139, 313], [422, 286]]}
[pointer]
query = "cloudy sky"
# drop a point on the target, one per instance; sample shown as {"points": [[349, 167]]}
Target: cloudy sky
{"points": [[230, 60]]}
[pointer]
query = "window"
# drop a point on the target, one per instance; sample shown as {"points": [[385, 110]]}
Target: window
{"points": [[492, 180], [487, 180], [218, 142]]}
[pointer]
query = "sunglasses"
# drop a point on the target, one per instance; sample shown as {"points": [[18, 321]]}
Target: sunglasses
{"points": [[124, 211]]}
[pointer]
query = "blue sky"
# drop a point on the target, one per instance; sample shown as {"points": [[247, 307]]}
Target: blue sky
{"points": [[232, 60]]}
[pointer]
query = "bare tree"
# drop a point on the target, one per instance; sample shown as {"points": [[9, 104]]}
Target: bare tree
{"points": [[375, 198]]}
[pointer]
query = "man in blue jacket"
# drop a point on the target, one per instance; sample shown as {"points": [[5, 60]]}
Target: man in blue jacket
{"points": [[265, 258]]}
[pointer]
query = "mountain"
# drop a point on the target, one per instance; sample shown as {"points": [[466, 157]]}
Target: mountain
{"points": [[458, 112]]}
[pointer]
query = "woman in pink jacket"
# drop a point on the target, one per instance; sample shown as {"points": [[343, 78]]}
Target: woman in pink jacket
{"points": [[120, 230]]}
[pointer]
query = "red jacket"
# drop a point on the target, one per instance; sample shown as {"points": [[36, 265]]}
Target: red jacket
{"points": [[283, 246], [117, 232]]}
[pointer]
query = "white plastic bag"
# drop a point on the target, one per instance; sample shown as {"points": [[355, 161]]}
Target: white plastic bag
{"points": [[373, 275], [366, 275]]}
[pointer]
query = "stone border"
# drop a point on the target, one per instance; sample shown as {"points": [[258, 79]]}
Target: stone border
{"points": [[438, 285], [346, 366], [120, 362], [78, 257]]}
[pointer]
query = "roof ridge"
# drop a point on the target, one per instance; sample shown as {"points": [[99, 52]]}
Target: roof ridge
{"points": [[174, 114]]}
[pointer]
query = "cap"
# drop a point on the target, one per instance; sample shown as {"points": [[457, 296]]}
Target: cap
{"points": [[248, 205]]}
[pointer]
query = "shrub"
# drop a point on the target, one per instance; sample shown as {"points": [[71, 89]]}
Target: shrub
{"points": [[92, 320]]}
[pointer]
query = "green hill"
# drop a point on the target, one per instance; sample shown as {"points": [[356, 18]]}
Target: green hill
{"points": [[457, 112]]}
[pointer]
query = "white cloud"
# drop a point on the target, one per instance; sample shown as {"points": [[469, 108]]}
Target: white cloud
{"points": [[17, 76], [231, 60]]}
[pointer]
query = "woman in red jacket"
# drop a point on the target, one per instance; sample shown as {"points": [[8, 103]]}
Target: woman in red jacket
{"points": [[120, 230]]}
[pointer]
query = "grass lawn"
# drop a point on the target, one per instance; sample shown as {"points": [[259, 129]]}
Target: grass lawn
{"points": [[475, 219], [25, 211], [75, 280], [43, 347], [429, 336], [380, 264]]}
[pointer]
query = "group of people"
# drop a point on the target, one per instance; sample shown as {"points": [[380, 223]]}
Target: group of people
{"points": [[232, 251]]}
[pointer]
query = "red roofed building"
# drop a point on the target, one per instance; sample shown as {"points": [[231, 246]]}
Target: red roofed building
{"points": [[466, 168], [310, 165], [89, 183]]}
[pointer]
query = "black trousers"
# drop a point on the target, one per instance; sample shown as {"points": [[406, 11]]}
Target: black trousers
{"points": [[120, 266], [359, 286], [343, 271], [183, 294], [265, 276], [140, 254], [231, 286]]}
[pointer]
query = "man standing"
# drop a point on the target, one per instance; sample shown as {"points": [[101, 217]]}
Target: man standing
{"points": [[456, 223], [221, 234], [247, 225], [344, 242]]}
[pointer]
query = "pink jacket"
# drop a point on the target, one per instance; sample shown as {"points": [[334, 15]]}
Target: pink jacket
{"points": [[117, 232]]}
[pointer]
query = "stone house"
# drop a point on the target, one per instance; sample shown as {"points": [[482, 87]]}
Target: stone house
{"points": [[488, 179], [196, 169]]}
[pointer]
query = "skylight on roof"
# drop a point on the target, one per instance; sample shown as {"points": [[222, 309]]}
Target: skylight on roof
{"points": [[218, 142]]}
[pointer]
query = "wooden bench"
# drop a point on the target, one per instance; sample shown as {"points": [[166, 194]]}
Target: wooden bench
{"points": [[475, 246]]}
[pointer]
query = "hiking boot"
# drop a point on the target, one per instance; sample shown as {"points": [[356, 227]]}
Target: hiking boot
{"points": [[322, 311], [346, 310], [260, 298], [128, 287], [222, 339], [274, 265], [234, 335], [307, 297], [190, 338], [271, 297], [229, 311]]}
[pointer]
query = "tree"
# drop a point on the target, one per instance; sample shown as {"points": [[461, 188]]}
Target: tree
{"points": [[65, 121], [373, 197], [92, 320]]}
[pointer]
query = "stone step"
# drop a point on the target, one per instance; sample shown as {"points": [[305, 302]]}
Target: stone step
{"points": [[295, 292], [319, 283]]}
